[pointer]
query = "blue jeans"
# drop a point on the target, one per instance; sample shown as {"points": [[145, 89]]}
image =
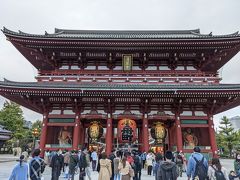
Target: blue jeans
{"points": [[117, 176]]}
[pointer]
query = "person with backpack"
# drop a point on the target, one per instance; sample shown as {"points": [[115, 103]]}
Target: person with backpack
{"points": [[82, 163], [36, 166], [158, 159], [137, 167], [57, 164], [73, 162], [237, 164], [167, 169], [216, 171], [197, 165], [179, 162]]}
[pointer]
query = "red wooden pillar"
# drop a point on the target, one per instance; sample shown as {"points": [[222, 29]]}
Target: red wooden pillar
{"points": [[81, 134], [212, 136], [179, 133], [43, 134], [76, 131], [140, 140], [145, 138], [109, 135]]}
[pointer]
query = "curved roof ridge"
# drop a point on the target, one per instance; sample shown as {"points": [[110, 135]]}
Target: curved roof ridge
{"points": [[72, 31], [121, 34]]}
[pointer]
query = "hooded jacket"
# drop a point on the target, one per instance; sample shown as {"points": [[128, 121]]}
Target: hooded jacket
{"points": [[167, 171]]}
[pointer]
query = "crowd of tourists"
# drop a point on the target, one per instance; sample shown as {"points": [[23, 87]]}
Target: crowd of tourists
{"points": [[122, 165]]}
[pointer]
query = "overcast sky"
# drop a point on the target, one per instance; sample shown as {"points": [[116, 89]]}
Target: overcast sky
{"points": [[217, 16]]}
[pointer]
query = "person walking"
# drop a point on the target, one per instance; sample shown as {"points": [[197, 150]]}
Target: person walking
{"points": [[237, 164], [143, 157], [158, 159], [167, 169], [216, 171], [82, 163], [73, 162], [149, 162], [57, 164], [124, 168], [197, 165], [111, 158], [87, 169], [36, 166], [66, 160], [94, 157], [137, 167], [21, 170], [179, 161], [116, 162], [105, 168]]}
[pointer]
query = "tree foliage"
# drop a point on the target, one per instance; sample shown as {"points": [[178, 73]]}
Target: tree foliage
{"points": [[11, 117], [227, 137]]}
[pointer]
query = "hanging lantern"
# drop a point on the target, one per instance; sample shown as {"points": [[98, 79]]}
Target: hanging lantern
{"points": [[158, 132], [127, 131], [95, 131]]}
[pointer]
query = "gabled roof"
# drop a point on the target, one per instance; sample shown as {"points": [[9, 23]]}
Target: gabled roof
{"points": [[122, 34], [4, 131]]}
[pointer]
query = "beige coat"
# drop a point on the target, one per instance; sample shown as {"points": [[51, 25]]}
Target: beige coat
{"points": [[105, 169], [125, 170]]}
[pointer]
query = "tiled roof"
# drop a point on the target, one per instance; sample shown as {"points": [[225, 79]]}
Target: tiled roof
{"points": [[122, 34], [115, 86], [4, 131]]}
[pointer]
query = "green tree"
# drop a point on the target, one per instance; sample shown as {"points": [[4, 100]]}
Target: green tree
{"points": [[11, 117], [227, 136]]}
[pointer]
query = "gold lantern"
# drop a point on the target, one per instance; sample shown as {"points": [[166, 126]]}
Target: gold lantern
{"points": [[95, 131], [158, 132]]}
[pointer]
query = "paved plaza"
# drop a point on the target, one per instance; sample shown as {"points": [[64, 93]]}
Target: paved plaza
{"points": [[7, 163]]}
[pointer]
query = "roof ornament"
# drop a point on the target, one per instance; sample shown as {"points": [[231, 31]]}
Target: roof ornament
{"points": [[210, 34], [46, 33]]}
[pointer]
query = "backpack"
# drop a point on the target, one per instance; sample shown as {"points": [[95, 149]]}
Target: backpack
{"points": [[83, 161], [219, 174], [200, 169]]}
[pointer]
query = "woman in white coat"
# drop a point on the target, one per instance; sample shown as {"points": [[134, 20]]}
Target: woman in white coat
{"points": [[218, 168]]}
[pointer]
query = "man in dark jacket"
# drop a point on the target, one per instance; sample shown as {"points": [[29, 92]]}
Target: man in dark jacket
{"points": [[82, 163], [167, 169], [111, 157], [137, 166], [57, 164], [73, 163]]}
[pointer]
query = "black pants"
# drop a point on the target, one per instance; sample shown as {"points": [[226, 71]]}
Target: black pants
{"points": [[94, 163], [137, 176], [82, 173], [143, 163], [149, 170]]}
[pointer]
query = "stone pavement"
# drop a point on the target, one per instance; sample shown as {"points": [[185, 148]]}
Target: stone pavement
{"points": [[7, 163], [7, 158]]}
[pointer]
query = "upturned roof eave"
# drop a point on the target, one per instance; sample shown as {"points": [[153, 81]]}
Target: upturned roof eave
{"points": [[199, 37]]}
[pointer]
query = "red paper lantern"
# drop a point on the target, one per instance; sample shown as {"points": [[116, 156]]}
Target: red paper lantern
{"points": [[131, 124]]}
